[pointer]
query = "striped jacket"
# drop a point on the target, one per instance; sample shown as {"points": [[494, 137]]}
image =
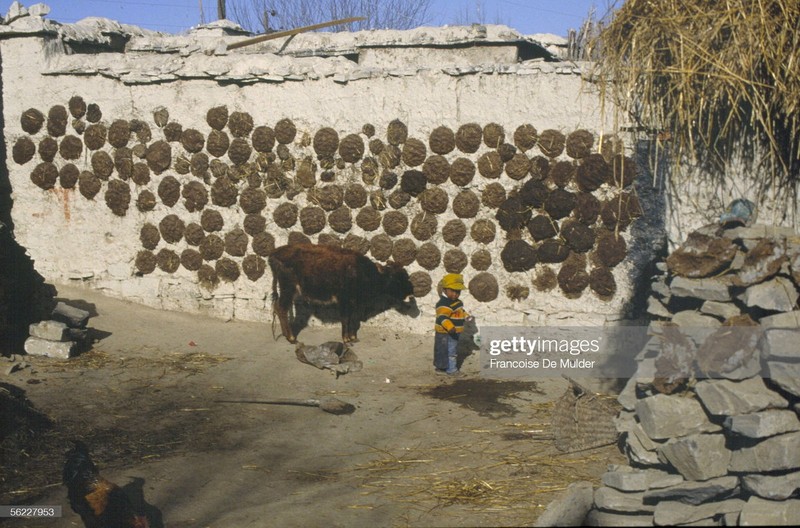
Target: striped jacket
{"points": [[450, 314]]}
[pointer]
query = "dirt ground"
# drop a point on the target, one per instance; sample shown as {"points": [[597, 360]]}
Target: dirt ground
{"points": [[419, 450]]}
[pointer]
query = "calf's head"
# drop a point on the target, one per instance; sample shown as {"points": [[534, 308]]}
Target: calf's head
{"points": [[398, 289]]}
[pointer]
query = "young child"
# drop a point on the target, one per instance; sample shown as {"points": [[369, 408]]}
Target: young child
{"points": [[450, 317]]}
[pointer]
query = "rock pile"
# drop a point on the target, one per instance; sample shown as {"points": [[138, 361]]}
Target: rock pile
{"points": [[60, 336], [710, 422]]}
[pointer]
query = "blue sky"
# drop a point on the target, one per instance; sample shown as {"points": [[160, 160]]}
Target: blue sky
{"points": [[175, 16]]}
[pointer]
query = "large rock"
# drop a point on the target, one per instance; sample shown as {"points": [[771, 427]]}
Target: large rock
{"points": [[601, 518], [781, 343], [665, 416], [609, 499], [776, 453], [671, 513], [724, 397], [44, 347], [70, 315], [778, 294], [571, 508], [626, 478], [701, 255], [49, 330], [694, 492], [781, 320], [725, 310], [640, 449], [763, 424], [761, 262], [706, 289], [760, 512], [699, 456], [773, 487], [785, 375]]}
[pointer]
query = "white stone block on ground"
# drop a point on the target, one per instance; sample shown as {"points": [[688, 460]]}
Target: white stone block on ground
{"points": [[43, 347], [50, 330]]}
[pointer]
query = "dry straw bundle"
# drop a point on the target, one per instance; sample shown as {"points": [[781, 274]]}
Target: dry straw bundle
{"points": [[721, 78]]}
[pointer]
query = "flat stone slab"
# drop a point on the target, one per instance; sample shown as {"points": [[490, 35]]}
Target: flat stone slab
{"points": [[670, 513], [49, 330], [725, 310], [699, 456], [626, 478], [764, 423], [785, 375], [772, 487], [781, 343], [71, 316], [725, 397], [778, 294], [694, 492], [44, 347], [706, 289], [665, 417], [609, 499], [601, 518], [776, 453], [760, 512], [781, 320]]}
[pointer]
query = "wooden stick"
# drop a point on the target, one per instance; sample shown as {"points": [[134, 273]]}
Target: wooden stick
{"points": [[290, 32]]}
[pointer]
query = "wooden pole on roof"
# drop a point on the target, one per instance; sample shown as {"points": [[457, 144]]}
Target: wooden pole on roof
{"points": [[290, 32], [221, 9], [202, 14]]}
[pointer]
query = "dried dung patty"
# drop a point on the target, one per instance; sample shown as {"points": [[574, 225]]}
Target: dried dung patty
{"points": [[545, 279], [442, 140], [212, 247], [579, 144], [240, 124], [207, 277], [434, 200], [146, 201], [191, 259], [326, 142], [369, 170], [429, 256], [145, 262], [390, 156], [169, 191], [507, 152], [454, 232], [483, 231], [31, 120], [340, 220], [171, 228], [424, 226], [254, 224], [102, 164], [578, 236], [466, 204], [285, 131], [182, 165], [422, 283], [159, 156], [123, 162], [469, 137], [195, 196], [140, 174], [562, 172], [462, 171], [306, 174], [227, 269], [559, 203], [540, 167], [454, 261], [149, 236], [483, 287], [263, 244], [263, 139], [23, 150], [368, 218], [490, 165], [533, 194], [493, 135], [517, 292], [118, 197], [285, 215], [572, 278], [194, 234], [623, 171], [173, 132], [119, 133], [493, 195], [395, 223], [376, 146], [551, 143], [368, 130], [239, 152], [142, 130], [355, 196], [93, 113], [356, 243], [396, 132], [329, 197], [513, 213], [218, 143], [611, 249], [68, 176], [351, 149], [312, 219], [481, 260], [381, 247], [94, 137], [414, 152], [518, 255], [254, 267], [413, 182], [79, 125], [388, 180], [525, 137], [542, 227], [48, 148], [57, 119], [276, 183], [224, 192], [620, 211], [217, 117], [236, 242], [552, 251], [329, 239], [592, 173], [436, 169], [160, 116], [404, 251], [211, 220], [77, 106], [602, 282], [518, 166], [399, 199], [71, 147], [587, 208]]}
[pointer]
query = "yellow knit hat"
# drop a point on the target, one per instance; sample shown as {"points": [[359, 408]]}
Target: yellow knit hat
{"points": [[453, 281]]}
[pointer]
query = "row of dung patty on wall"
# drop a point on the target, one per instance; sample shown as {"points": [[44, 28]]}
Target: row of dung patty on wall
{"points": [[556, 207]]}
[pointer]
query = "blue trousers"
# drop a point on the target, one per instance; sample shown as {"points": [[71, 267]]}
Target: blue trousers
{"points": [[445, 353]]}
